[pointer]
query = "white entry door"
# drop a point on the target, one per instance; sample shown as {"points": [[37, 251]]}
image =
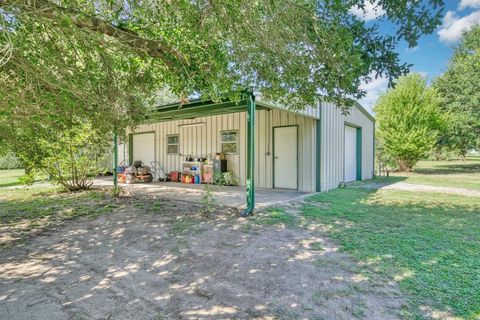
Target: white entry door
{"points": [[285, 157], [350, 169], [143, 147]]}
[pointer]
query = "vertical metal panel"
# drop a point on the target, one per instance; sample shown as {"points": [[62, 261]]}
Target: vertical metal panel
{"points": [[205, 140], [332, 149], [199, 141], [306, 158]]}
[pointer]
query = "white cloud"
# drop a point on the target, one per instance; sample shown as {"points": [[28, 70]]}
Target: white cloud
{"points": [[454, 26], [373, 89], [469, 3], [412, 50], [371, 11]]}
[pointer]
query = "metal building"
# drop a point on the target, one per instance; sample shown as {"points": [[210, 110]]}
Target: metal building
{"points": [[310, 150]]}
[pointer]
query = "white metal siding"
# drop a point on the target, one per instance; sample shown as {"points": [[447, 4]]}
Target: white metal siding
{"points": [[332, 144], [266, 121], [204, 140], [144, 148], [307, 111]]}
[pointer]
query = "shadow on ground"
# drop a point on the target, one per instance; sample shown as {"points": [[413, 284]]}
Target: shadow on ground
{"points": [[159, 259]]}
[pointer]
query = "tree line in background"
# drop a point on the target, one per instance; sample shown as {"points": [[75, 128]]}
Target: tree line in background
{"points": [[73, 71], [415, 119]]}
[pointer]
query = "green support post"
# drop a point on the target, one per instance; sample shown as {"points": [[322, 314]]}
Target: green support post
{"points": [[115, 159], [124, 149], [250, 155]]}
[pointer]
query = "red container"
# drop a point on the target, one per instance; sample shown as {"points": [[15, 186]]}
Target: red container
{"points": [[175, 176], [207, 177]]}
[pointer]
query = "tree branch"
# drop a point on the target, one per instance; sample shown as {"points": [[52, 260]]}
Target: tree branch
{"points": [[158, 48]]}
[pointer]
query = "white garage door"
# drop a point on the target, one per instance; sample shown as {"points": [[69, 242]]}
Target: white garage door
{"points": [[350, 168], [144, 147]]}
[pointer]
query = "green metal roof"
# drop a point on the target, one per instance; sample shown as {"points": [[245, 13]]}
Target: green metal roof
{"points": [[202, 108], [195, 109]]}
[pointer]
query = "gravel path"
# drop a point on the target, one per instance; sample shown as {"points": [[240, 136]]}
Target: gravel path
{"points": [[404, 186]]}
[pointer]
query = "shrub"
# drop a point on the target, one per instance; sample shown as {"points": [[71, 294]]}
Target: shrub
{"points": [[409, 120], [71, 160]]}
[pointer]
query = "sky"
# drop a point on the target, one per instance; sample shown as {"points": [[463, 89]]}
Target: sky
{"points": [[430, 57]]}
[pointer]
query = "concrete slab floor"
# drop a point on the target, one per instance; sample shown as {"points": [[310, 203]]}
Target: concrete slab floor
{"points": [[232, 196]]}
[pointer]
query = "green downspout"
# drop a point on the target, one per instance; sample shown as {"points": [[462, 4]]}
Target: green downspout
{"points": [[115, 159], [250, 155], [359, 153]]}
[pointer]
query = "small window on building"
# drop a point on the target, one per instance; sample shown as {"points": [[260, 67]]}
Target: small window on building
{"points": [[173, 144], [229, 142]]}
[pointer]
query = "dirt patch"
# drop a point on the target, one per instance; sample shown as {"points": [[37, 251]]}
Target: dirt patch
{"points": [[158, 259]]}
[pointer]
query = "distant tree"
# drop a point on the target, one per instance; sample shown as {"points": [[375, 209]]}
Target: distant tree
{"points": [[459, 88], [409, 120]]}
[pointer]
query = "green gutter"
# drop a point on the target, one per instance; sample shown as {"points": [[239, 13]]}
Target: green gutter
{"points": [[365, 112]]}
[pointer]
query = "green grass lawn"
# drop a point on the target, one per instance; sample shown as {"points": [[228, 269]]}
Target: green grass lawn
{"points": [[455, 173], [10, 177], [429, 243]]}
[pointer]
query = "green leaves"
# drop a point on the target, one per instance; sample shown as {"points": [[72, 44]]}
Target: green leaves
{"points": [[292, 51], [409, 120], [459, 87], [76, 62]]}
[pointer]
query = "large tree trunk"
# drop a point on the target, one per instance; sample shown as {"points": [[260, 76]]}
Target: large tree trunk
{"points": [[404, 165]]}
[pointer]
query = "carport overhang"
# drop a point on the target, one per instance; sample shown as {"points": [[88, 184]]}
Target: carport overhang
{"points": [[199, 108]]}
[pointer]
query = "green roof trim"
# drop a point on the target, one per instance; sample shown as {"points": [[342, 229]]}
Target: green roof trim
{"points": [[364, 111], [201, 108], [196, 109]]}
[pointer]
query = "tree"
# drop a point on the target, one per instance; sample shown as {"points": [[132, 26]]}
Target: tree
{"points": [[409, 120], [289, 50], [69, 64], [459, 87]]}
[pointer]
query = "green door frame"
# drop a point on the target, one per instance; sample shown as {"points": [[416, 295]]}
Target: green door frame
{"points": [[130, 145], [318, 150], [359, 153], [273, 158], [318, 156]]}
